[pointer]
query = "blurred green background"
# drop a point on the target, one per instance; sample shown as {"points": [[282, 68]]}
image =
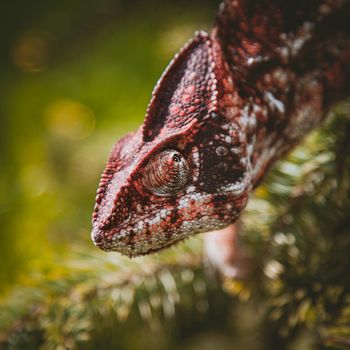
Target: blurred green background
{"points": [[74, 77]]}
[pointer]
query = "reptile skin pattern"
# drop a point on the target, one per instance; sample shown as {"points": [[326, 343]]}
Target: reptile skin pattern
{"points": [[229, 104]]}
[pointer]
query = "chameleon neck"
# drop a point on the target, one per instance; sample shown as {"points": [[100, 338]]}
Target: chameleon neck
{"points": [[287, 80]]}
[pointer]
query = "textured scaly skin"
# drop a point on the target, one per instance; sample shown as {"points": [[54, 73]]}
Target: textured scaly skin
{"points": [[229, 104]]}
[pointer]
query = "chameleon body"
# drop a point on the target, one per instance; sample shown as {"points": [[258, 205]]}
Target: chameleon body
{"points": [[228, 105]]}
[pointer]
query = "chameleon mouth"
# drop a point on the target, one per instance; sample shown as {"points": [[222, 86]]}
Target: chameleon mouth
{"points": [[133, 243], [131, 250], [146, 235]]}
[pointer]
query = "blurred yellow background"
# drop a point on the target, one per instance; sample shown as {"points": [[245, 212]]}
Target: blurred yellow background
{"points": [[74, 77]]}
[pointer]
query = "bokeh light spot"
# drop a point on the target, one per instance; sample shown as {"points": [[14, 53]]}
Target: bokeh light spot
{"points": [[30, 51], [70, 119]]}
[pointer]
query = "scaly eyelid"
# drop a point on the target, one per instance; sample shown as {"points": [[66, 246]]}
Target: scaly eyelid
{"points": [[164, 178]]}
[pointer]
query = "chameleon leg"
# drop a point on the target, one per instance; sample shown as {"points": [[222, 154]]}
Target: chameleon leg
{"points": [[222, 249]]}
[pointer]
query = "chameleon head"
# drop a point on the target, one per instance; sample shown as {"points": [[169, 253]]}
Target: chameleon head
{"points": [[185, 171]]}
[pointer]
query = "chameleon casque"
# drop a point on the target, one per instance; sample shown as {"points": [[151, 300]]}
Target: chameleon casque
{"points": [[228, 105]]}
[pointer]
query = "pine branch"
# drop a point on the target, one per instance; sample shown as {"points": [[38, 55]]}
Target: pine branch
{"points": [[306, 239], [296, 229], [59, 302]]}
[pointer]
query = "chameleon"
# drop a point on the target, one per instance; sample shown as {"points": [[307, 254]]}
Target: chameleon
{"points": [[229, 104]]}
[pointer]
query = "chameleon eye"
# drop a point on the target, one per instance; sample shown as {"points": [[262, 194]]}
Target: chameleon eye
{"points": [[166, 173]]}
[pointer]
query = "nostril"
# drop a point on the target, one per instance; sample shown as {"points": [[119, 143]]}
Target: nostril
{"points": [[97, 239]]}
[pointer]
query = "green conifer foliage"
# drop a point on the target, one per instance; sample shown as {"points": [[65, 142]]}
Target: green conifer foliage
{"points": [[296, 231]]}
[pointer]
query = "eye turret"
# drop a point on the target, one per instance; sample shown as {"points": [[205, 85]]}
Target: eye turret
{"points": [[166, 173]]}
